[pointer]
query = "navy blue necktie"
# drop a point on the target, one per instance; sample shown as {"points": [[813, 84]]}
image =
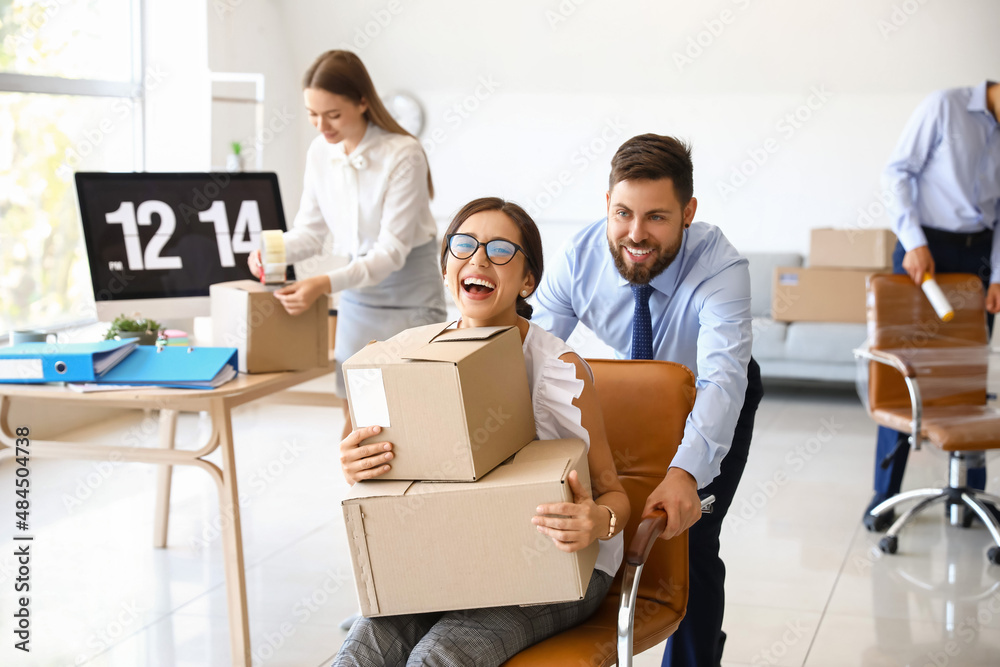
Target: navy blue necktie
{"points": [[642, 325]]}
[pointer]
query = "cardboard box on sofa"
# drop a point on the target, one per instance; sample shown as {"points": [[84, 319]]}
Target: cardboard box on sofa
{"points": [[246, 315], [436, 546], [454, 402], [819, 295], [852, 248]]}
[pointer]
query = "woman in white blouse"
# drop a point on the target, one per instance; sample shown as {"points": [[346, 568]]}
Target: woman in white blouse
{"points": [[368, 184]]}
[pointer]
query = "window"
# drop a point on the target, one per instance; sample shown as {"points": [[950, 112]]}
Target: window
{"points": [[71, 99]]}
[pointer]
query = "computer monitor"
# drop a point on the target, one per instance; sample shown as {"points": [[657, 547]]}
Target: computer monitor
{"points": [[157, 241]]}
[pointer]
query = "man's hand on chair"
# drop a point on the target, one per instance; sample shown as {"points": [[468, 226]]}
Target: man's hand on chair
{"points": [[677, 495], [993, 299], [917, 262]]}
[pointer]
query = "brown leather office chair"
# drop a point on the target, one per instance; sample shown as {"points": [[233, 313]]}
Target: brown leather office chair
{"points": [[645, 405], [928, 378]]}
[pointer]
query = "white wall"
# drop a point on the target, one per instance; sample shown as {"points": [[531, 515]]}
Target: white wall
{"points": [[177, 89], [578, 73]]}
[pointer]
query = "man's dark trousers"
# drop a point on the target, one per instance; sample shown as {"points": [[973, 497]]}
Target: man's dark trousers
{"points": [[699, 639], [952, 253]]}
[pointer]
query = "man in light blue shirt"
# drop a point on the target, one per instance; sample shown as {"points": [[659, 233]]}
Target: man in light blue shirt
{"points": [[653, 284], [944, 176]]}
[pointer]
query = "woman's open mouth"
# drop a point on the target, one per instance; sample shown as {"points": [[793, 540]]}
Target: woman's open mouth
{"points": [[478, 288]]}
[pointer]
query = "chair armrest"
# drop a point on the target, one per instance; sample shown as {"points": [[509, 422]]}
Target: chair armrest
{"points": [[889, 359], [645, 537]]}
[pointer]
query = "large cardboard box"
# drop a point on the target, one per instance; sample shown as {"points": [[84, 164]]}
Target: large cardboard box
{"points": [[454, 402], [246, 315], [436, 546], [818, 295], [852, 248]]}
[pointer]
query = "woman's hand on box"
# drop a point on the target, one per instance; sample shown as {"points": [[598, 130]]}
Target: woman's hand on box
{"points": [[298, 297], [253, 263], [359, 462], [572, 526]]}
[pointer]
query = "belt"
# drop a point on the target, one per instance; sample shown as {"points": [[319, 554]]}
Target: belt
{"points": [[967, 239]]}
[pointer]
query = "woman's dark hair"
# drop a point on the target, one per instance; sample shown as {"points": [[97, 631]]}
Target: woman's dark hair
{"points": [[531, 240], [342, 73], [652, 157]]}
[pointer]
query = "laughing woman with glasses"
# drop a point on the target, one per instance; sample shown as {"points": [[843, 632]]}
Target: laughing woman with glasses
{"points": [[491, 260]]}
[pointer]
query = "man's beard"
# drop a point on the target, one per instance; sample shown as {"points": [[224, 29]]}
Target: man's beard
{"points": [[637, 273]]}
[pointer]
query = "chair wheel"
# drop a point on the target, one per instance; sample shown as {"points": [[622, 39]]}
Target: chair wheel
{"points": [[993, 555], [888, 544]]}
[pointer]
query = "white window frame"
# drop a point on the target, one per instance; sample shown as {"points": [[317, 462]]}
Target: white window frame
{"points": [[134, 90]]}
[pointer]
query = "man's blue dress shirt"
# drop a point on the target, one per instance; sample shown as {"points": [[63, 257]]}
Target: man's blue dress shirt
{"points": [[945, 170], [700, 310]]}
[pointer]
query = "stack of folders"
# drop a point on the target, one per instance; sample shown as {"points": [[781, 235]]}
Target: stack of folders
{"points": [[69, 362], [95, 366]]}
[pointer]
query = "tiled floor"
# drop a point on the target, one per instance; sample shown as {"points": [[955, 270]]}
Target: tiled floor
{"points": [[806, 584]]}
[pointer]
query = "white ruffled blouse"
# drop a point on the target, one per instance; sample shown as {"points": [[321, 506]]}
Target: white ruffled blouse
{"points": [[554, 385]]}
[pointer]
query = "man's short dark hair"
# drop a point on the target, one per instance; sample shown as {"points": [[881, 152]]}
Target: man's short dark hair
{"points": [[651, 157]]}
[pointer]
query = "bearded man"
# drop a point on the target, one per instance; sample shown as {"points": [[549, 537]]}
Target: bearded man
{"points": [[653, 284]]}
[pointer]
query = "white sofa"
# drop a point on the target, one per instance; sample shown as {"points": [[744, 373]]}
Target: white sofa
{"points": [[797, 350]]}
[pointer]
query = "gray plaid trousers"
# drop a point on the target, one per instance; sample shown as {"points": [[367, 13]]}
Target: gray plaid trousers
{"points": [[468, 638]]}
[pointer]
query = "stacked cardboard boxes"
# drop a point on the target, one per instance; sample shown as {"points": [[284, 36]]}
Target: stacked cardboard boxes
{"points": [[832, 287], [449, 527]]}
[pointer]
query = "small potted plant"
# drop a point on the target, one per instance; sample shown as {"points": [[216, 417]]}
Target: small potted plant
{"points": [[144, 329], [234, 161]]}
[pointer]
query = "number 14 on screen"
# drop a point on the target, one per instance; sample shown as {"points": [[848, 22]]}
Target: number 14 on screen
{"points": [[245, 237]]}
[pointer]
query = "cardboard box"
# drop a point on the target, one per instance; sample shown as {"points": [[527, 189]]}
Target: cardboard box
{"points": [[818, 295], [454, 402], [436, 546], [246, 315], [852, 248]]}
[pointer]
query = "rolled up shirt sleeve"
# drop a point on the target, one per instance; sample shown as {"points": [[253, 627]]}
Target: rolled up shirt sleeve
{"points": [[406, 198], [724, 345], [553, 305], [920, 137], [309, 229]]}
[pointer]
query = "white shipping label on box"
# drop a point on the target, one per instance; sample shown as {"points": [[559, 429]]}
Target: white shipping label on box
{"points": [[368, 397], [791, 279]]}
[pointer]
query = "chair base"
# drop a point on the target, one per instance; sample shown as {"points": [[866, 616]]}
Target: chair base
{"points": [[961, 496]]}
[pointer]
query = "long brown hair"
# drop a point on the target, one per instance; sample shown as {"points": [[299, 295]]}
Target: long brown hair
{"points": [[342, 73], [531, 239]]}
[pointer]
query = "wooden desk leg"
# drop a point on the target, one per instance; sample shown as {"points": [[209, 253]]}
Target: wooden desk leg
{"points": [[232, 539], [161, 517]]}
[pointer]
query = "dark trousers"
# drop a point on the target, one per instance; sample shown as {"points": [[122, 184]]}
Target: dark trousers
{"points": [[952, 253], [699, 638]]}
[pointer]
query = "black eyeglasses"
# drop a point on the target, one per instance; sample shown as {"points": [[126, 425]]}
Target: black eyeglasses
{"points": [[499, 251]]}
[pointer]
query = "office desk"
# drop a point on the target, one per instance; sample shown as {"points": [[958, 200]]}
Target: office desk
{"points": [[219, 404]]}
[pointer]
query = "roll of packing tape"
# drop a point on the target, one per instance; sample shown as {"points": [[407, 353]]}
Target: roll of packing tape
{"points": [[937, 298], [272, 257]]}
